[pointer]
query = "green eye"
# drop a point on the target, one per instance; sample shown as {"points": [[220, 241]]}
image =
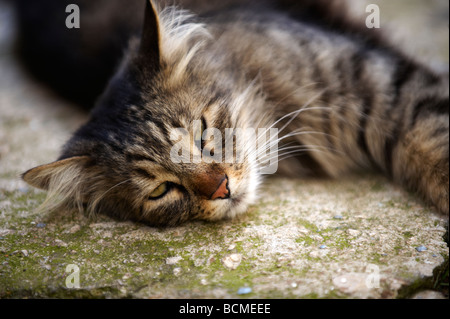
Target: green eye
{"points": [[160, 191]]}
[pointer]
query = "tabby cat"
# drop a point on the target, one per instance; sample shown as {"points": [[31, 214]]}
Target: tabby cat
{"points": [[342, 97]]}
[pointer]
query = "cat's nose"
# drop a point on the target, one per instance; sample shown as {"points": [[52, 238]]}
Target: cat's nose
{"points": [[213, 186], [222, 191]]}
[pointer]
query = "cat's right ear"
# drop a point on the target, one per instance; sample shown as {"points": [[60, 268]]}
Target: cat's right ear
{"points": [[42, 176], [151, 37]]}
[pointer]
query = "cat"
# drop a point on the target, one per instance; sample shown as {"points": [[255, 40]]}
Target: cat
{"points": [[342, 96]]}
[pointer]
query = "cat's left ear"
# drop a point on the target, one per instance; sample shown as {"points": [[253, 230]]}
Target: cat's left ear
{"points": [[151, 37], [68, 169]]}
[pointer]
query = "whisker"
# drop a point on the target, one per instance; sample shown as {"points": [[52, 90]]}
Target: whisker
{"points": [[291, 154], [288, 96], [263, 149], [324, 150], [295, 113]]}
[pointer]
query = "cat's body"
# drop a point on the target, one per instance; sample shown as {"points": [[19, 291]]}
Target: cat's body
{"points": [[344, 98]]}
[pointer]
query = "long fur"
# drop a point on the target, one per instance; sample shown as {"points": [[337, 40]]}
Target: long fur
{"points": [[343, 98]]}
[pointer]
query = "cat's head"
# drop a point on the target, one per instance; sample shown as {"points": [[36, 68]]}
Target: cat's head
{"points": [[121, 162]]}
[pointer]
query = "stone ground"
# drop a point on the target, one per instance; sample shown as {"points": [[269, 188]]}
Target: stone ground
{"points": [[359, 237]]}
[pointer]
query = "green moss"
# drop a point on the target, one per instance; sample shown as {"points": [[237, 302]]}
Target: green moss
{"points": [[397, 249], [114, 263], [340, 242], [308, 225], [408, 234], [306, 241], [377, 259]]}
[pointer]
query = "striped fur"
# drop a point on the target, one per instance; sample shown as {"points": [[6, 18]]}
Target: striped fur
{"points": [[343, 97]]}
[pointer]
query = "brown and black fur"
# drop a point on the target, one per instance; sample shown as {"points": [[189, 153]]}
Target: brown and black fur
{"points": [[356, 102]]}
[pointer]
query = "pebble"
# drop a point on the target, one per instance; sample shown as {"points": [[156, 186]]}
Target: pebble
{"points": [[173, 260], [24, 189], [236, 257], [74, 229], [178, 233], [353, 232], [126, 276], [421, 248], [232, 261], [123, 290], [244, 290], [177, 271], [60, 243], [107, 234]]}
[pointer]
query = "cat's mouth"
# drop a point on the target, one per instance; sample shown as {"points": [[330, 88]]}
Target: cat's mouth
{"points": [[235, 203], [227, 208], [242, 190], [237, 200]]}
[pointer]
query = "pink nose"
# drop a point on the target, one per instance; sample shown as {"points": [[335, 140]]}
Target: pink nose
{"points": [[211, 185], [222, 191]]}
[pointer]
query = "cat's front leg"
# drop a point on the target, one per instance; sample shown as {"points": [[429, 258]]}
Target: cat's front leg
{"points": [[414, 143], [418, 157]]}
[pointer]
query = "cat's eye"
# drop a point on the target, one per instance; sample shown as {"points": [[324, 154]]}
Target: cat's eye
{"points": [[160, 191]]}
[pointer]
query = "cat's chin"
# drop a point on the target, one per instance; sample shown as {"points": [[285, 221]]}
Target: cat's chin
{"points": [[239, 205], [229, 208]]}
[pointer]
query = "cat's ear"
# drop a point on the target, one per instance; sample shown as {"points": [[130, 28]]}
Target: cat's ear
{"points": [[41, 176], [151, 37]]}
